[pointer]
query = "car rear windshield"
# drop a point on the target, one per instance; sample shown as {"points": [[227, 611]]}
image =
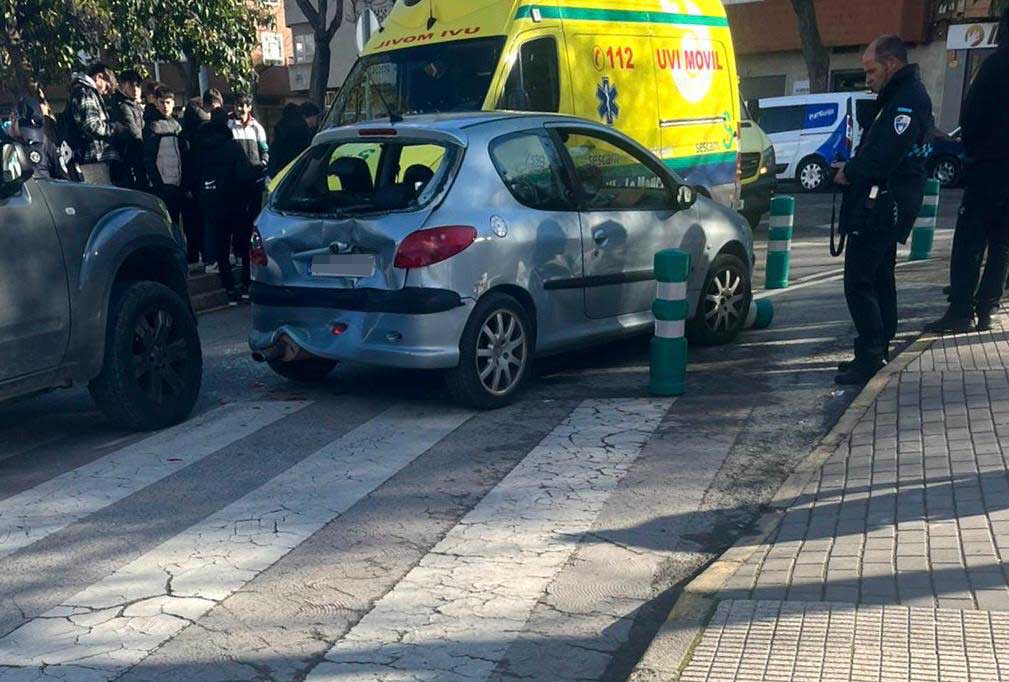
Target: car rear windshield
{"points": [[359, 177], [448, 77]]}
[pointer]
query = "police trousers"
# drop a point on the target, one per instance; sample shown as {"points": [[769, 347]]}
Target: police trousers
{"points": [[983, 223], [870, 288]]}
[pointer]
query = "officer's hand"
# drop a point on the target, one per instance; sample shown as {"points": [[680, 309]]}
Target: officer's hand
{"points": [[840, 178]]}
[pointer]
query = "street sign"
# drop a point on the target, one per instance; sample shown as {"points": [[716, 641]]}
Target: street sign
{"points": [[972, 36], [367, 25]]}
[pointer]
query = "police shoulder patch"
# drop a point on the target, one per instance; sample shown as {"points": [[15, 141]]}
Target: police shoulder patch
{"points": [[902, 123]]}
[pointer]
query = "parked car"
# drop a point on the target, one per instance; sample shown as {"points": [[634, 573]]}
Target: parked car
{"points": [[810, 132], [94, 291], [523, 235], [948, 158], [757, 166]]}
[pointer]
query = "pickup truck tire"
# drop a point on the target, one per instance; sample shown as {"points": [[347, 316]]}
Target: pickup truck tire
{"points": [[153, 364]]}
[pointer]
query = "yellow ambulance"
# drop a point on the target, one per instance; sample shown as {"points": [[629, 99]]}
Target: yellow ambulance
{"points": [[662, 71]]}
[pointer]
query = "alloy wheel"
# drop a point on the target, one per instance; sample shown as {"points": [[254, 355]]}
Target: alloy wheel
{"points": [[501, 352], [159, 355], [723, 301]]}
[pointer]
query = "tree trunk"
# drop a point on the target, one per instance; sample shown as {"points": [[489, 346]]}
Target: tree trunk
{"points": [[816, 55], [192, 77], [320, 69]]}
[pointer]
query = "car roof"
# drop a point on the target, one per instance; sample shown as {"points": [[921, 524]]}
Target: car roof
{"points": [[451, 124], [814, 99]]}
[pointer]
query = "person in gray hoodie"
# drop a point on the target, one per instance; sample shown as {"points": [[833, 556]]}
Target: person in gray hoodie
{"points": [[163, 153]]}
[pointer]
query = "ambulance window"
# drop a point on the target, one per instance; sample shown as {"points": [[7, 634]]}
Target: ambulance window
{"points": [[612, 178], [782, 119], [529, 166], [534, 83]]}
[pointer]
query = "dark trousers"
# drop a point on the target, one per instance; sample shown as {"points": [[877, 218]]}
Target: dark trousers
{"points": [[172, 196], [218, 222], [870, 287], [192, 225], [250, 202], [983, 223]]}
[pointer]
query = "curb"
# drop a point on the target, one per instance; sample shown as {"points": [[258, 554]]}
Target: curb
{"points": [[697, 601]]}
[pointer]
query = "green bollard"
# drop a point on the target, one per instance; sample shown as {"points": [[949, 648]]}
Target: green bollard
{"points": [[779, 244], [669, 346], [761, 314], [923, 235]]}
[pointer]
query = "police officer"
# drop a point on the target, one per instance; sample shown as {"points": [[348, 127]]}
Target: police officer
{"points": [[984, 212], [28, 129], [885, 184]]}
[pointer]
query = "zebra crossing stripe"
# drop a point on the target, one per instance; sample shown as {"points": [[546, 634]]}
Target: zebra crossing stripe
{"points": [[115, 623], [47, 508], [455, 614]]}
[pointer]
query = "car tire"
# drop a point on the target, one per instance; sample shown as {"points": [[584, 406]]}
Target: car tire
{"points": [[495, 354], [153, 363], [310, 371], [946, 170], [812, 174], [724, 303]]}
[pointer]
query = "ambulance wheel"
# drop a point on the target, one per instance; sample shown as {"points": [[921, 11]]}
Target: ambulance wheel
{"points": [[813, 174]]}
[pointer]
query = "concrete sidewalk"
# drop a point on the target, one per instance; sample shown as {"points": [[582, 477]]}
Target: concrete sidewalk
{"points": [[893, 561]]}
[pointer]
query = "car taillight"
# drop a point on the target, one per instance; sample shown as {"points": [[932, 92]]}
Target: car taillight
{"points": [[427, 247], [257, 254]]}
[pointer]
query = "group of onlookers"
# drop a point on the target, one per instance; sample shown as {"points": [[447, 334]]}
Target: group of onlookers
{"points": [[209, 166]]}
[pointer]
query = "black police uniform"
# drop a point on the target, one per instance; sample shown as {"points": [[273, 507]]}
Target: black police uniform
{"points": [[984, 213], [887, 184]]}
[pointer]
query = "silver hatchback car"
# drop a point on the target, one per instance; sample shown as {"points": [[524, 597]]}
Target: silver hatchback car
{"points": [[474, 242]]}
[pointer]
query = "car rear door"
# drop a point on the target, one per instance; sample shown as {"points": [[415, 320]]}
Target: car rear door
{"points": [[628, 213], [34, 301]]}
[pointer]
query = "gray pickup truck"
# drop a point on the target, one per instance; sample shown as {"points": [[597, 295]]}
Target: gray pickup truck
{"points": [[93, 290]]}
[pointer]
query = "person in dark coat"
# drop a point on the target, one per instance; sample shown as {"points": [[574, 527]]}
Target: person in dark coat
{"points": [[984, 211], [28, 128], [194, 119], [224, 172], [885, 188], [126, 109], [291, 136], [163, 153]]}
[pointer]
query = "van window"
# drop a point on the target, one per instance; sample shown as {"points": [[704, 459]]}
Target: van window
{"points": [[354, 178], [529, 166], [429, 79], [534, 84], [781, 119], [612, 178]]}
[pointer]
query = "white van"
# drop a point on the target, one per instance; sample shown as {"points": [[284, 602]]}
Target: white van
{"points": [[810, 132]]}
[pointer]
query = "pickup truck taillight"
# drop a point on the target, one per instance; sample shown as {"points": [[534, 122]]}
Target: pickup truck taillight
{"points": [[257, 253], [427, 247]]}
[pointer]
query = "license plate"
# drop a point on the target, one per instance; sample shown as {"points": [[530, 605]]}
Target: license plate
{"points": [[355, 265]]}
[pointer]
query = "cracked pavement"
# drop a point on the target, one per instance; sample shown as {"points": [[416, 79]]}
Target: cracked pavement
{"points": [[367, 523]]}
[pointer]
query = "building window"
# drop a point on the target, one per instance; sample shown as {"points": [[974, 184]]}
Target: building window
{"points": [[304, 48], [850, 80]]}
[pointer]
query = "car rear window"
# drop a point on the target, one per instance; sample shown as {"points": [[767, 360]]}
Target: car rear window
{"points": [[359, 177]]}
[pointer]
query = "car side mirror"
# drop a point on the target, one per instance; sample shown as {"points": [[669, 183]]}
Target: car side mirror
{"points": [[685, 196], [15, 169]]}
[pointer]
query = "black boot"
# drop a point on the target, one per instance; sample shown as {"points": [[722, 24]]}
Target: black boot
{"points": [[984, 320], [845, 365], [951, 322], [860, 372]]}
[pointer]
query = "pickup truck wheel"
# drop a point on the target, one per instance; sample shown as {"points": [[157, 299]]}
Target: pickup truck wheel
{"points": [[153, 365]]}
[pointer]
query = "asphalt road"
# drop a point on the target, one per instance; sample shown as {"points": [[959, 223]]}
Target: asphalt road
{"points": [[368, 529]]}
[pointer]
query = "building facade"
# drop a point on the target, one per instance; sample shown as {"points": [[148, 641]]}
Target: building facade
{"points": [[771, 64]]}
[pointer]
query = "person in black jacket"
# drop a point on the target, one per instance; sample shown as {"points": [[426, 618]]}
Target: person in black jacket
{"points": [[195, 117], [224, 172], [984, 211], [885, 184], [28, 128], [127, 110], [291, 136]]}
